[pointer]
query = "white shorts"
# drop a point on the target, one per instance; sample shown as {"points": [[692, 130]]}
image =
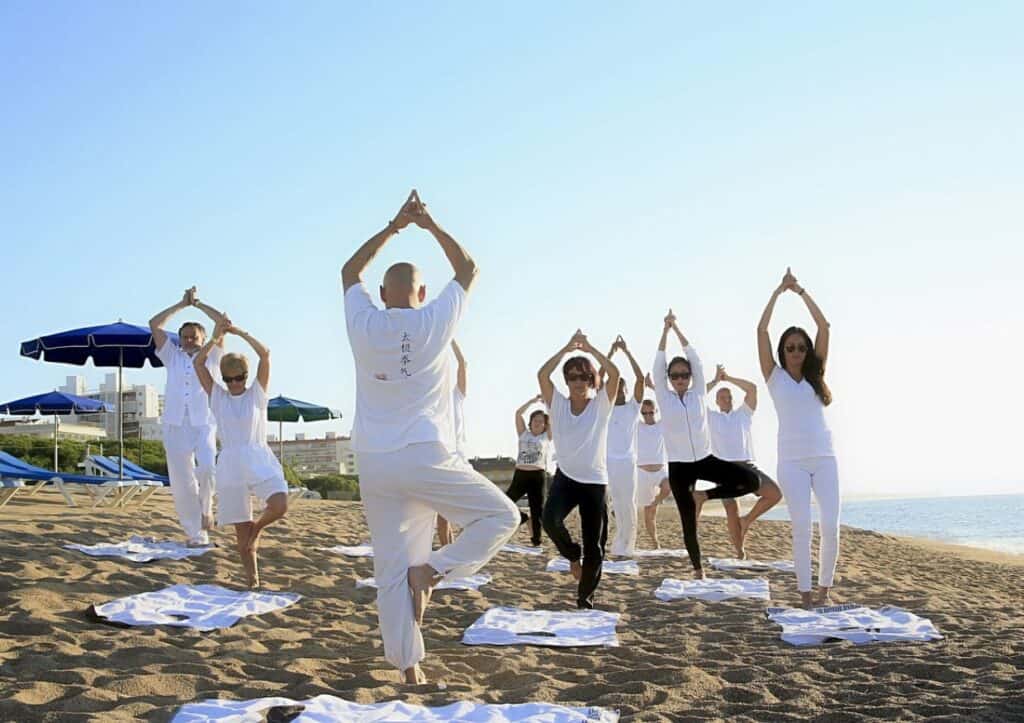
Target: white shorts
{"points": [[234, 500], [648, 484]]}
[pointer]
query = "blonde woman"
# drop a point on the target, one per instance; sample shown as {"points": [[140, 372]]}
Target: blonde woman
{"points": [[246, 465]]}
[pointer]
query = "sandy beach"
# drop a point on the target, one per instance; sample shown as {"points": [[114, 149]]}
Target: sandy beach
{"points": [[676, 661]]}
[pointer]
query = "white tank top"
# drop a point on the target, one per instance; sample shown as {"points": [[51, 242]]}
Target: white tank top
{"points": [[650, 444]]}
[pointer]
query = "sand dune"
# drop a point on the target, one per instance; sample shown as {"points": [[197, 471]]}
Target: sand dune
{"points": [[676, 661]]}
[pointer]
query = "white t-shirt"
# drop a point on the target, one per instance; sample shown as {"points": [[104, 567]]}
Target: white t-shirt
{"points": [[730, 434], [185, 402], [622, 430], [803, 429], [534, 449], [242, 429], [650, 444], [581, 441], [403, 370], [684, 420]]}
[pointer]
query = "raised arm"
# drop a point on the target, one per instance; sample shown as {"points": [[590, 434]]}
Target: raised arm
{"points": [[748, 387], [764, 342], [352, 271], [460, 378], [462, 263], [547, 387], [696, 365], [262, 352], [821, 339], [719, 376], [520, 424], [612, 387], [659, 369], [156, 324], [638, 374], [199, 362], [214, 315]]}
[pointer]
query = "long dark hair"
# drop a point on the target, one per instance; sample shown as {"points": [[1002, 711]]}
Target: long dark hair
{"points": [[813, 369]]}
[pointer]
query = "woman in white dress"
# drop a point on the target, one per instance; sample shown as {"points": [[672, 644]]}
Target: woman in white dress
{"points": [[246, 465]]}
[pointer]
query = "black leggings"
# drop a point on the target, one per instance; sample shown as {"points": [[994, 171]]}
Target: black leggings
{"points": [[732, 479], [529, 482], [566, 494]]}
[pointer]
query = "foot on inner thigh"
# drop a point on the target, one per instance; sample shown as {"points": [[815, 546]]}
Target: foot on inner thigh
{"points": [[576, 568], [422, 579]]}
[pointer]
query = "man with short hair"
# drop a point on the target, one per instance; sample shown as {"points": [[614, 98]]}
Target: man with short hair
{"points": [[404, 437], [188, 427]]}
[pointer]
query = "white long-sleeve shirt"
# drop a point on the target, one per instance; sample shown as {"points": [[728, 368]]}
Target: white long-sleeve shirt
{"points": [[684, 420]]}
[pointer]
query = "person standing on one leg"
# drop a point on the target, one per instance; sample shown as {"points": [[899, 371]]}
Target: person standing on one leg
{"points": [[621, 463], [188, 427], [445, 533], [246, 466], [579, 426], [651, 467], [731, 441], [807, 461], [531, 465], [404, 437], [684, 418]]}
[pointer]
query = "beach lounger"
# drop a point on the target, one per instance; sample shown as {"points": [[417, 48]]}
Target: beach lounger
{"points": [[148, 482], [9, 488], [100, 489]]}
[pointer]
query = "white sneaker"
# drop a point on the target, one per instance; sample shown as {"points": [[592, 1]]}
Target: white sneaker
{"points": [[200, 540]]}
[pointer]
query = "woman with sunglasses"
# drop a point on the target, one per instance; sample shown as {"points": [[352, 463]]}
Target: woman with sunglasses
{"points": [[807, 461], [579, 426], [246, 465], [679, 387], [531, 465]]}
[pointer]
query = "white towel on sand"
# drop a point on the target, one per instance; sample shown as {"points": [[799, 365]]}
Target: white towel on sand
{"points": [[363, 550], [324, 708], [522, 549], [608, 567], [563, 629], [732, 563], [661, 552], [463, 583], [203, 607], [712, 590], [855, 623], [140, 549]]}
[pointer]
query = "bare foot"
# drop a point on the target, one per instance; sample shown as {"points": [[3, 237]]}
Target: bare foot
{"points": [[252, 575], [699, 498], [698, 574], [806, 600], [824, 598], [576, 568], [414, 676], [744, 529], [422, 579]]}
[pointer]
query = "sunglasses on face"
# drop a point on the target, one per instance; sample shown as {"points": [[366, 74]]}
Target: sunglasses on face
{"points": [[796, 347], [578, 378], [679, 375], [647, 414], [239, 378]]}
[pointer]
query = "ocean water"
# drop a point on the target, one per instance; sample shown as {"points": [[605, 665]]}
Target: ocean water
{"points": [[993, 522]]}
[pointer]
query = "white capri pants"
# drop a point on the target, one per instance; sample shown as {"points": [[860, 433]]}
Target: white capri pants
{"points": [[798, 479], [402, 492], [190, 458], [648, 485], [622, 488]]}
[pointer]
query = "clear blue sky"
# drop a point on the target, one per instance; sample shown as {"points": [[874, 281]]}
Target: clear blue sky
{"points": [[601, 163]]}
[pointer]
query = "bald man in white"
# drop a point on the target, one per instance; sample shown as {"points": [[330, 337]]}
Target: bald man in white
{"points": [[409, 469]]}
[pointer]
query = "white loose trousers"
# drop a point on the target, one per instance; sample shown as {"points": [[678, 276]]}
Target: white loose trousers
{"points": [[402, 491], [190, 465], [798, 479], [622, 488]]}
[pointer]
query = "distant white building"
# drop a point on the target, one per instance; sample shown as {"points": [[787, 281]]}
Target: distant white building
{"points": [[43, 427], [142, 408], [331, 455]]}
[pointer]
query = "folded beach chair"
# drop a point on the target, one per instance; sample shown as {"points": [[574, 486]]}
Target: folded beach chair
{"points": [[146, 482], [100, 489], [9, 488]]}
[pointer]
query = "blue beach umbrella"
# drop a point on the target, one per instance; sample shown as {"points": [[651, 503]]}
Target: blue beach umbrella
{"points": [[55, 403], [282, 409], [110, 345]]}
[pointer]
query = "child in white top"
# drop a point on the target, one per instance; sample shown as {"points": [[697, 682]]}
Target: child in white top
{"points": [[246, 465], [531, 465]]}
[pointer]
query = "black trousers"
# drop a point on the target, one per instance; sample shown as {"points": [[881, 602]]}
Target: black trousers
{"points": [[732, 479], [529, 482], [567, 494]]}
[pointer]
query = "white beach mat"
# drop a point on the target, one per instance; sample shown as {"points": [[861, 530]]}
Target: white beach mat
{"points": [[661, 552], [140, 549], [522, 549], [363, 550], [712, 590], [562, 629], [855, 623], [203, 607], [324, 708], [732, 563], [463, 583], [608, 567]]}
